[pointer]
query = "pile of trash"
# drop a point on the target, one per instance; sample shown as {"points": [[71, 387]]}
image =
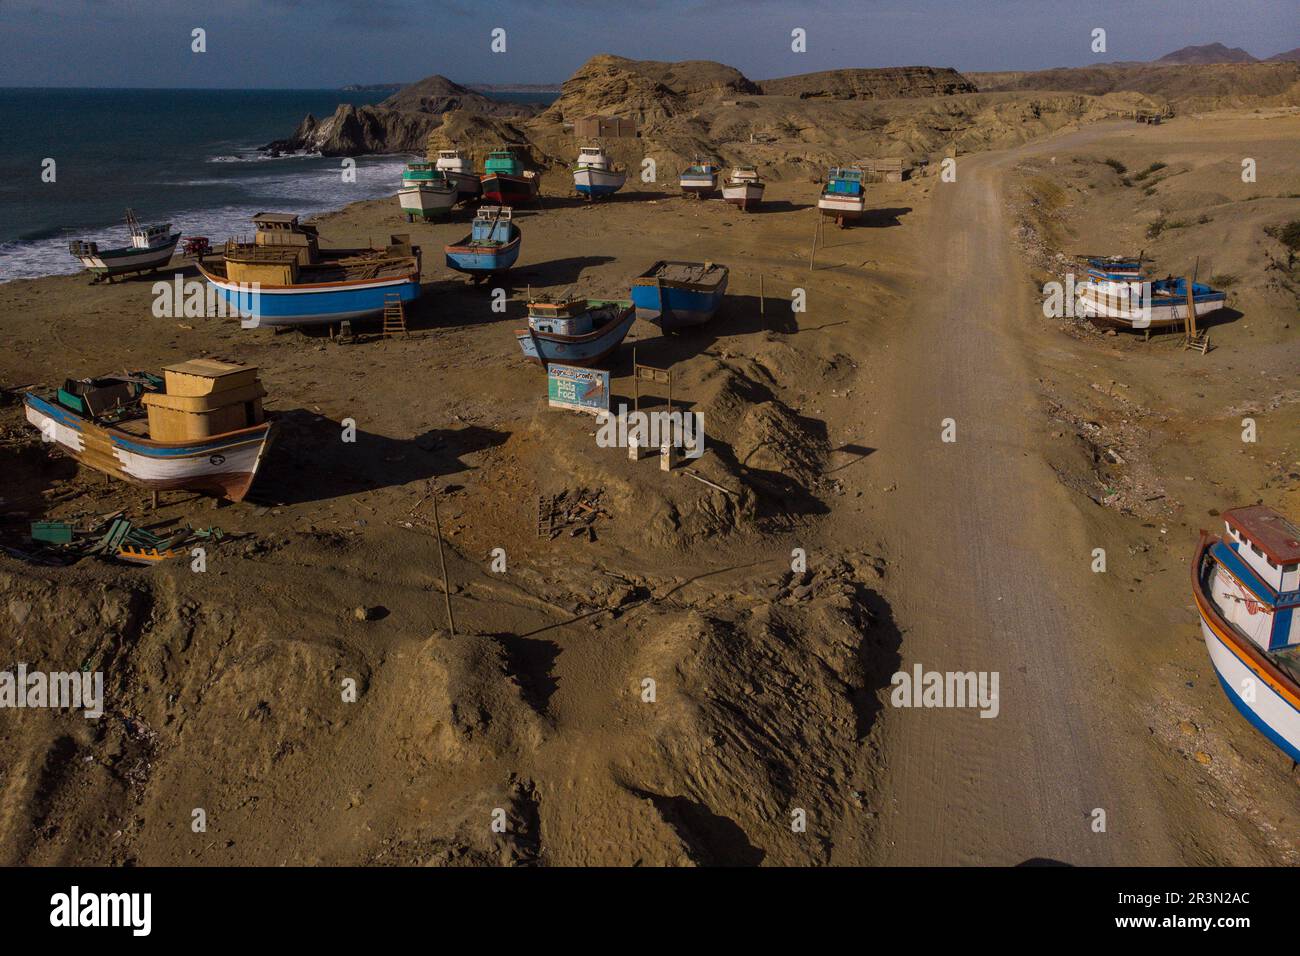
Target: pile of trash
{"points": [[112, 536]]}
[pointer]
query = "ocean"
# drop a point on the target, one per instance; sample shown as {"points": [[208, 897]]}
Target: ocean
{"points": [[188, 157]]}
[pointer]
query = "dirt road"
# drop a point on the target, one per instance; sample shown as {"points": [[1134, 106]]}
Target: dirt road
{"points": [[990, 562]]}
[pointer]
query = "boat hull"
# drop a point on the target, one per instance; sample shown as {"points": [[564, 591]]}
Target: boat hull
{"points": [[593, 182], [672, 308], [583, 351], [223, 465], [1259, 691], [312, 304], [467, 183], [698, 186], [508, 190], [745, 195], [843, 207], [423, 203], [1124, 312], [475, 261], [115, 262], [1270, 713]]}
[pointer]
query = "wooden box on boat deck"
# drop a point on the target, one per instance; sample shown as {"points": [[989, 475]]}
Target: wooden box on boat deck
{"points": [[204, 398], [206, 377]]}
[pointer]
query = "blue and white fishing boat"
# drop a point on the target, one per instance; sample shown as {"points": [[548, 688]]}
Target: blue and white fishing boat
{"points": [[675, 295], [579, 332], [699, 179], [594, 175], [283, 277], [151, 248], [1145, 304], [491, 247], [844, 196], [427, 192], [201, 428], [1246, 585]]}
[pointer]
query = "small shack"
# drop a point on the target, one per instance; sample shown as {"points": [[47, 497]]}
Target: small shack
{"points": [[891, 170]]}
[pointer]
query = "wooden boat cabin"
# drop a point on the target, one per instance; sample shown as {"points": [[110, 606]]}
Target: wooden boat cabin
{"points": [[569, 317], [285, 252]]}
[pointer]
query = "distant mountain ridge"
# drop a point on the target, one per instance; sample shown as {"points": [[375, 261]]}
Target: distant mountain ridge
{"points": [[1208, 53]]}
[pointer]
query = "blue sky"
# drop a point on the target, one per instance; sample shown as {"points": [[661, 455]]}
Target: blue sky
{"points": [[327, 43]]}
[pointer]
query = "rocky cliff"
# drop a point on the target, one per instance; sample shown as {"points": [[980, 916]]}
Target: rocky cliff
{"points": [[399, 124], [891, 83], [645, 90]]}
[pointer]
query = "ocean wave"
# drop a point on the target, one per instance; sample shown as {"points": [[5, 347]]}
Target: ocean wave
{"points": [[256, 156], [307, 193]]}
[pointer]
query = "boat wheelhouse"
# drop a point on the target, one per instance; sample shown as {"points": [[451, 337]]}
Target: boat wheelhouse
{"points": [[283, 277], [844, 196], [505, 181], [744, 188], [1246, 585], [595, 175], [491, 247], [200, 427], [427, 192], [151, 248], [675, 295], [699, 179], [1146, 304], [579, 332], [457, 168]]}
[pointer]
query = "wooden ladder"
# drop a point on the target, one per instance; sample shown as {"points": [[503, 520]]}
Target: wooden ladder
{"points": [[394, 315]]}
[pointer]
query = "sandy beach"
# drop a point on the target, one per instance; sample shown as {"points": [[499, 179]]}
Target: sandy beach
{"points": [[823, 432]]}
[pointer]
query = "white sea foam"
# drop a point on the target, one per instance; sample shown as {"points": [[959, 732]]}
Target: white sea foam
{"points": [[306, 192]]}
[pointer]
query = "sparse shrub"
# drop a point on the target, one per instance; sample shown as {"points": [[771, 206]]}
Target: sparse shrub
{"points": [[1149, 191], [1288, 234], [1203, 219], [1153, 168], [1156, 227], [1223, 280], [1116, 165]]}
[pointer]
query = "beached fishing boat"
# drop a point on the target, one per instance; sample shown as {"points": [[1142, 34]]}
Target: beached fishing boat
{"points": [[575, 331], [844, 196], [743, 188], [151, 248], [1140, 304], [1246, 585], [426, 193], [457, 168], [200, 427], [699, 179], [594, 175], [283, 277], [505, 181], [674, 295], [491, 247]]}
